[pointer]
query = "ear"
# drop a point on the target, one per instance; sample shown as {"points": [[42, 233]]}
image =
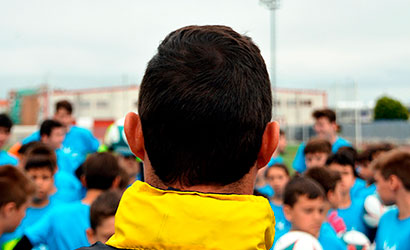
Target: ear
{"points": [[394, 182], [270, 141], [7, 209], [133, 132], [287, 210], [90, 235], [83, 181]]}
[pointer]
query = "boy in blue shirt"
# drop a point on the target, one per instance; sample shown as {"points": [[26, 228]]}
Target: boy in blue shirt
{"points": [[64, 227], [316, 152], [277, 176], [5, 128], [351, 208], [330, 181], [78, 142], [393, 185], [326, 128]]}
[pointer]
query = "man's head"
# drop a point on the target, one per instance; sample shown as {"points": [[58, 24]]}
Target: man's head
{"points": [[15, 191], [204, 109], [40, 166], [325, 123], [101, 171], [392, 175], [5, 128], [63, 113], [102, 214], [52, 133], [277, 177], [316, 152], [330, 182], [304, 205], [343, 162]]}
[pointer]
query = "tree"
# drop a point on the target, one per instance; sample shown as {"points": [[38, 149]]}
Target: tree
{"points": [[390, 109]]}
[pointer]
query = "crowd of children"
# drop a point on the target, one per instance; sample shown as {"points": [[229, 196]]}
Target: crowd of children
{"points": [[57, 192]]}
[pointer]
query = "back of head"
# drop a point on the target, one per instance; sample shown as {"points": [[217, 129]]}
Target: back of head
{"points": [[324, 177], [14, 186], [327, 113], [395, 162], [318, 145], [47, 127], [104, 206], [100, 170], [5, 122], [204, 103], [300, 186]]}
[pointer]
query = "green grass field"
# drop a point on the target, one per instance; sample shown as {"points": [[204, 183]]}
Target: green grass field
{"points": [[289, 155]]}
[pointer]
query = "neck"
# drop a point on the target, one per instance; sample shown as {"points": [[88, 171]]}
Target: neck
{"points": [[243, 186], [91, 195], [345, 201], [333, 138], [277, 200], [403, 204], [40, 203]]}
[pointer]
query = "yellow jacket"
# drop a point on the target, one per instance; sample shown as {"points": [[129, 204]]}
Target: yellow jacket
{"points": [[151, 218]]}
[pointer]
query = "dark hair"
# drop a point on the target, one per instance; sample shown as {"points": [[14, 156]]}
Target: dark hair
{"points": [[299, 186], [395, 162], [277, 165], [318, 145], [344, 158], [40, 155], [325, 177], [328, 113], [282, 132], [25, 147], [14, 186], [204, 103], [378, 148], [64, 104], [100, 170], [104, 206], [48, 125], [5, 122]]}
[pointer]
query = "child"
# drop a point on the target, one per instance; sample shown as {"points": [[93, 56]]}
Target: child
{"points": [[15, 192], [277, 177], [100, 173], [316, 152], [393, 185], [280, 150], [102, 214], [330, 182], [351, 207], [5, 128], [304, 205]]}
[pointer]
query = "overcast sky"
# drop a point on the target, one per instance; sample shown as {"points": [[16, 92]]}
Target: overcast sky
{"points": [[321, 44]]}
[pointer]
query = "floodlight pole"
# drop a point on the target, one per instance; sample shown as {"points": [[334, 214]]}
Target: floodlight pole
{"points": [[272, 6]]}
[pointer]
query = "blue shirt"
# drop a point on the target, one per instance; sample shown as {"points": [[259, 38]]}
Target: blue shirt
{"points": [[266, 190], [275, 160], [78, 142], [357, 188], [69, 188], [62, 228], [7, 159], [299, 162], [328, 238], [282, 225], [393, 233], [353, 216]]}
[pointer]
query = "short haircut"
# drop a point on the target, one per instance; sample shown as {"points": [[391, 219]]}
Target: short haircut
{"points": [[25, 147], [277, 165], [40, 155], [47, 127], [100, 170], [5, 122], [103, 207], [300, 186], [327, 113], [318, 145], [343, 157], [66, 105], [282, 132], [395, 162], [204, 103], [325, 177], [378, 148], [14, 186]]}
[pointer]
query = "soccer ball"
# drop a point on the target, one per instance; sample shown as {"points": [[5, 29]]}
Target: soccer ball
{"points": [[297, 240], [356, 240], [115, 138], [374, 209]]}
